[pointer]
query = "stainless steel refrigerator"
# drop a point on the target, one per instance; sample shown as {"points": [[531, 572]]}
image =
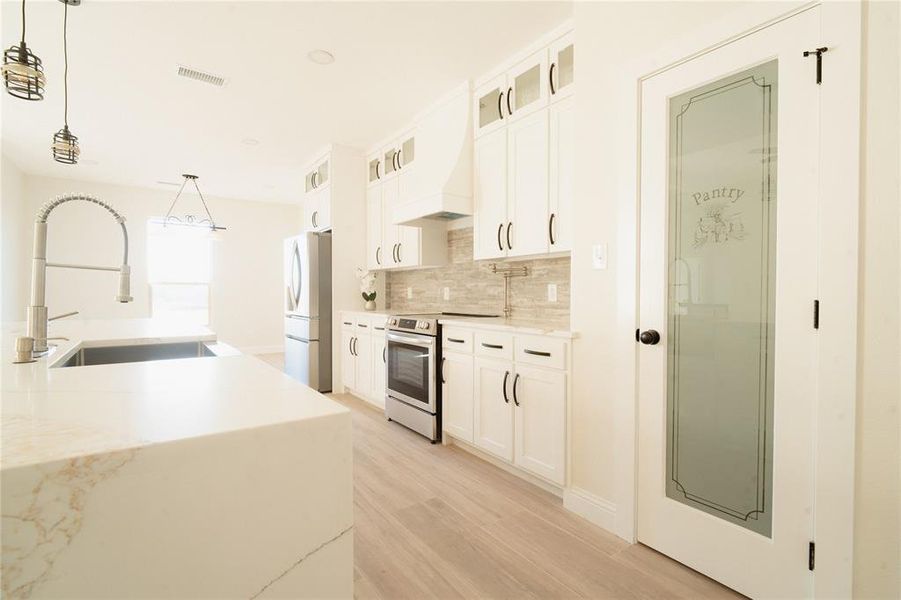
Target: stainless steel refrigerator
{"points": [[308, 309]]}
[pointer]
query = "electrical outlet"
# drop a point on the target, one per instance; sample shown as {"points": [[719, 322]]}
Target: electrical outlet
{"points": [[409, 293], [552, 292], [446, 293]]}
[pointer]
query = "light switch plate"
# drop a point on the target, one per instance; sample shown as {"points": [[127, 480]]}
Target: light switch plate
{"points": [[409, 293], [446, 293], [599, 256], [552, 292]]}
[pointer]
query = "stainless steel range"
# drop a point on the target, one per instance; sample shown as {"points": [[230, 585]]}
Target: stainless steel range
{"points": [[413, 396]]}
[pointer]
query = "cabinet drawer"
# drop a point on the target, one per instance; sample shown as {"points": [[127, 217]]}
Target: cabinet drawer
{"points": [[456, 340], [541, 351], [348, 321], [362, 324], [494, 344], [378, 324]]}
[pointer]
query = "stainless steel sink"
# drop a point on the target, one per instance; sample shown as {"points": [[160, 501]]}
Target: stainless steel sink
{"points": [[106, 355]]}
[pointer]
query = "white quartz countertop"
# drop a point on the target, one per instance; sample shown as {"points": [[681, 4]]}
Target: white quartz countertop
{"points": [[548, 327], [52, 414]]}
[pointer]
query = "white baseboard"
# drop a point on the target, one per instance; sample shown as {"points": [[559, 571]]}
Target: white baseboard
{"points": [[262, 349], [599, 511]]}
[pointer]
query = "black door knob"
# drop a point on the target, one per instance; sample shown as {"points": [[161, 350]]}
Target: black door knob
{"points": [[649, 337]]}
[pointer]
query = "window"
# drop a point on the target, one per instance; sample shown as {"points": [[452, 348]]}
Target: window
{"points": [[178, 267]]}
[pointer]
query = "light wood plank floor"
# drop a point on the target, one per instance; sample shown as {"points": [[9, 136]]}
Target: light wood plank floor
{"points": [[438, 522]]}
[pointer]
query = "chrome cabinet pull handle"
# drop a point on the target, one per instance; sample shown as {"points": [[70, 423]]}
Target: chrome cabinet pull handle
{"points": [[493, 346], [383, 354], [455, 340], [378, 259], [550, 229], [509, 245], [442, 370], [500, 111], [399, 257], [551, 78], [509, 110], [315, 214], [537, 353], [515, 381], [500, 244], [506, 375]]}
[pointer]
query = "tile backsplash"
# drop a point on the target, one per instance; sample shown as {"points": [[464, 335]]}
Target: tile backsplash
{"points": [[474, 288]]}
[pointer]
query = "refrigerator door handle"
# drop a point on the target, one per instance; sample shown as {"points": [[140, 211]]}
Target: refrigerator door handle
{"points": [[297, 339]]}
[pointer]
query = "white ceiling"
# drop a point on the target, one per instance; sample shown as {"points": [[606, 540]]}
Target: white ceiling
{"points": [[138, 123]]}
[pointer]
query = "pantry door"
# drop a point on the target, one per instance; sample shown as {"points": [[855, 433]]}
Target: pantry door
{"points": [[728, 278]]}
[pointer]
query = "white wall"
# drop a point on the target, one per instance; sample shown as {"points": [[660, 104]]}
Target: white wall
{"points": [[246, 290], [13, 242], [607, 34]]}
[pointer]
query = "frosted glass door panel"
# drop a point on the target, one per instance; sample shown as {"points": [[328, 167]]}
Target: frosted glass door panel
{"points": [[721, 297]]}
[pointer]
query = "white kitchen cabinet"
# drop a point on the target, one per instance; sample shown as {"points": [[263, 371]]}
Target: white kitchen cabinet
{"points": [[490, 195], [506, 394], [377, 359], [317, 196], [400, 243], [562, 175], [493, 408], [348, 359], [523, 157], [539, 398], [374, 228], [362, 348], [457, 395], [374, 169], [561, 68], [406, 169], [527, 186], [488, 109], [528, 88], [511, 190]]}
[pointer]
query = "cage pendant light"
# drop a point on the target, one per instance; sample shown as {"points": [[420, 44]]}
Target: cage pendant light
{"points": [[191, 220], [65, 144], [22, 70]]}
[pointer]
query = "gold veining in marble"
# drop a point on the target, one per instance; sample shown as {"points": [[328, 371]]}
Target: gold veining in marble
{"points": [[42, 512]]}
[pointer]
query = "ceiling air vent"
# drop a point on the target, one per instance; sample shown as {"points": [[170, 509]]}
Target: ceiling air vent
{"points": [[203, 76]]}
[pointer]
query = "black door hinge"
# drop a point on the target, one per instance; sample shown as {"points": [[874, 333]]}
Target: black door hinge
{"points": [[811, 555], [819, 54], [816, 314]]}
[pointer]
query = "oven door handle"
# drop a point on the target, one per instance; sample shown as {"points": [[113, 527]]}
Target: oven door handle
{"points": [[416, 341]]}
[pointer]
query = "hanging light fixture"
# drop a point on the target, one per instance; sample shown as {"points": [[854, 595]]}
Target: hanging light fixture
{"points": [[65, 144], [23, 73], [191, 220]]}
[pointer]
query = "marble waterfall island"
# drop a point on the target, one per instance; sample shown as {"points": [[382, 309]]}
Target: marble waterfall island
{"points": [[213, 476]]}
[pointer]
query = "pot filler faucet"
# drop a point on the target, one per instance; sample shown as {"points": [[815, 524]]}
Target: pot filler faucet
{"points": [[37, 312]]}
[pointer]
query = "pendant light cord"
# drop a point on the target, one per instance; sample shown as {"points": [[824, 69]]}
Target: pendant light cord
{"points": [[23, 21], [65, 60]]}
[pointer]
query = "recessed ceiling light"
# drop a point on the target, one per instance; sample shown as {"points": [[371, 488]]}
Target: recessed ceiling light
{"points": [[250, 141], [321, 57]]}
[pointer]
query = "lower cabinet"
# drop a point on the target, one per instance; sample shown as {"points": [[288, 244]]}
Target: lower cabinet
{"points": [[539, 398], [493, 422], [363, 355], [513, 411], [348, 360], [457, 395], [378, 359]]}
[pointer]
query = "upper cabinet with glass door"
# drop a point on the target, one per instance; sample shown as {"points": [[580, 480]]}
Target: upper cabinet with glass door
{"points": [[561, 68], [522, 90]]}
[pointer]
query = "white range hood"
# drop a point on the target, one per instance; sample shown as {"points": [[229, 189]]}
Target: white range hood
{"points": [[442, 182]]}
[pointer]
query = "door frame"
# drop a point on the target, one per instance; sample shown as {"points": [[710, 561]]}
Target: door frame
{"points": [[838, 294]]}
